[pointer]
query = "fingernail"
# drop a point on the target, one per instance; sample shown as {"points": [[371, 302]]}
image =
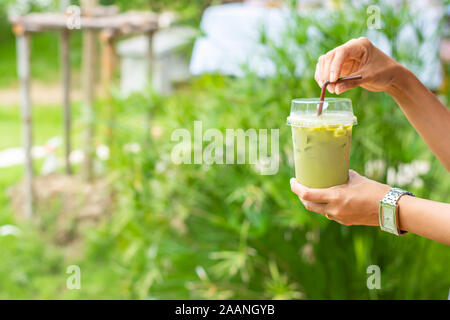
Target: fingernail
{"points": [[292, 180], [332, 75]]}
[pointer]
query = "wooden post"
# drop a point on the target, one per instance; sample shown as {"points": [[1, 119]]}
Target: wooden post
{"points": [[108, 59], [65, 67], [150, 58], [150, 69], [88, 79], [107, 65], [150, 61], [23, 68]]}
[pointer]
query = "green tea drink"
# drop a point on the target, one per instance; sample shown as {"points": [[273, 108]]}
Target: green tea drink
{"points": [[322, 154], [322, 147]]}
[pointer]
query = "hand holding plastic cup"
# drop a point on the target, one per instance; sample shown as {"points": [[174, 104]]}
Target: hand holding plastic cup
{"points": [[321, 142]]}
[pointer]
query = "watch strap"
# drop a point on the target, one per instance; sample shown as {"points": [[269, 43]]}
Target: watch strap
{"points": [[391, 198], [394, 194]]}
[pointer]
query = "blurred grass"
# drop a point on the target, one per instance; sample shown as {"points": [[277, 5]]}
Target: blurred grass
{"points": [[33, 267], [47, 122]]}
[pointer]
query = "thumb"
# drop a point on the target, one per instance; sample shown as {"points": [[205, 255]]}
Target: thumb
{"points": [[343, 86]]}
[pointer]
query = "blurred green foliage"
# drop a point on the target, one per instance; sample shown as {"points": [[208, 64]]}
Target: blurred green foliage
{"points": [[188, 10], [225, 231]]}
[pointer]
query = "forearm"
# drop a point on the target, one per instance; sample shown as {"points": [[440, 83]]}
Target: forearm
{"points": [[426, 218], [425, 112]]}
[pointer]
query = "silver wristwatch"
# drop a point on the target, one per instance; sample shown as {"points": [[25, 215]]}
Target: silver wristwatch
{"points": [[388, 211]]}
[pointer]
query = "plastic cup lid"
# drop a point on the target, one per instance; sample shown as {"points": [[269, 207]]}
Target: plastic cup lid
{"points": [[336, 111]]}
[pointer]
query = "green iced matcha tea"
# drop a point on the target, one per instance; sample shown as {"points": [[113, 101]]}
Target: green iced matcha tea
{"points": [[322, 152], [321, 142]]}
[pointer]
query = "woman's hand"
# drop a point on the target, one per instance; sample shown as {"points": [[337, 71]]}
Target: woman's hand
{"points": [[353, 203], [357, 56]]}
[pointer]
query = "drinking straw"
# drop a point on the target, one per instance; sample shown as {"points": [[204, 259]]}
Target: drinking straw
{"points": [[324, 88]]}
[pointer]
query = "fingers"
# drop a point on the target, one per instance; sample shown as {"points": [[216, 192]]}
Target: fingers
{"points": [[329, 69], [336, 66], [314, 195], [315, 200], [314, 206], [343, 86], [320, 71], [323, 69], [330, 66], [320, 208], [337, 63], [326, 69]]}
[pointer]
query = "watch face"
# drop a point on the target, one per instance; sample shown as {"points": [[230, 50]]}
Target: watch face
{"points": [[388, 217]]}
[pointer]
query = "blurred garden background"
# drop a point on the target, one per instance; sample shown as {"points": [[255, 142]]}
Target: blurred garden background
{"points": [[146, 228]]}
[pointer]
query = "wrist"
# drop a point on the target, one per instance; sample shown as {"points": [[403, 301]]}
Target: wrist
{"points": [[403, 213], [402, 83]]}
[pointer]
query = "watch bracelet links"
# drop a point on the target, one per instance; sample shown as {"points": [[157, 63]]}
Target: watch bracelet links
{"points": [[391, 198]]}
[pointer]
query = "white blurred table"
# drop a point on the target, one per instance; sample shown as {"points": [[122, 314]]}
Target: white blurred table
{"points": [[232, 34]]}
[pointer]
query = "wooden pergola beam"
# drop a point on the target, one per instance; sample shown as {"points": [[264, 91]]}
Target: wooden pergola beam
{"points": [[124, 24]]}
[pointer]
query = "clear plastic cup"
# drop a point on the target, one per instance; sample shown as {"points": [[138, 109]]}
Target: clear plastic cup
{"points": [[322, 143]]}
